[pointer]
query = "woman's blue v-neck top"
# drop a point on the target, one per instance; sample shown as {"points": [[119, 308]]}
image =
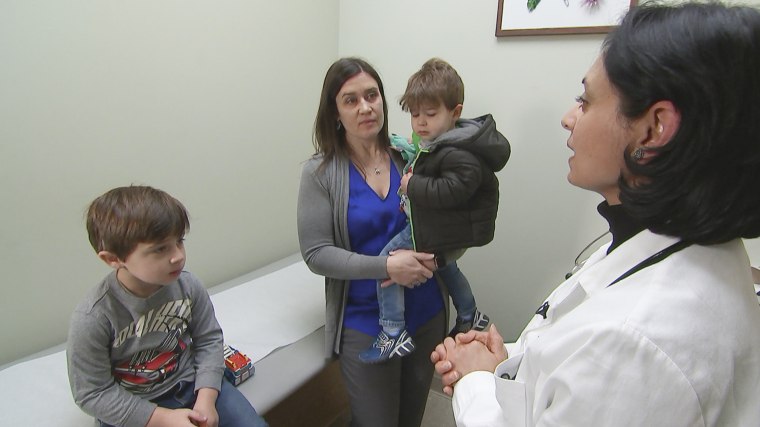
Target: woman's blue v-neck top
{"points": [[372, 223]]}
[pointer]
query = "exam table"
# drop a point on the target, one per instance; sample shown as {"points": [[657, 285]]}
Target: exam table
{"points": [[274, 314]]}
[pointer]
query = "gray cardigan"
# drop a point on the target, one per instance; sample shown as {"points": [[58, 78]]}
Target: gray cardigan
{"points": [[325, 244]]}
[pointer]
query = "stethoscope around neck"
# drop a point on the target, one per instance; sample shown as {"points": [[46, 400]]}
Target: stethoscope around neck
{"points": [[580, 260], [584, 254]]}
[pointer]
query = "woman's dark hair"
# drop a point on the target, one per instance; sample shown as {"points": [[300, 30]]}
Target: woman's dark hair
{"points": [[703, 185], [328, 139]]}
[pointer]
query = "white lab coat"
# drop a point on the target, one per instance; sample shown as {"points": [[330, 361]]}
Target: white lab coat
{"points": [[675, 344]]}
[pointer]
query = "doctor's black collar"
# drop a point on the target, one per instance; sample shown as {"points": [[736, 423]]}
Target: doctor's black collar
{"points": [[622, 225]]}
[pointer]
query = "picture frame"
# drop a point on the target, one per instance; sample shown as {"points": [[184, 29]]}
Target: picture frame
{"points": [[539, 17]]}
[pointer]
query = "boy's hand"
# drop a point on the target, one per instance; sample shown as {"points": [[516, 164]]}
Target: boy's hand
{"points": [[164, 417], [205, 404], [405, 181], [200, 420]]}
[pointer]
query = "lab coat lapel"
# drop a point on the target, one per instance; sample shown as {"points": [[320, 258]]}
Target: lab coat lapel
{"points": [[597, 273], [597, 276]]}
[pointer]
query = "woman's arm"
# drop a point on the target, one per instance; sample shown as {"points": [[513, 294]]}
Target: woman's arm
{"points": [[317, 231]]}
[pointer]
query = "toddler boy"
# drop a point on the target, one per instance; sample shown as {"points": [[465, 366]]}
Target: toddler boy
{"points": [[449, 192]]}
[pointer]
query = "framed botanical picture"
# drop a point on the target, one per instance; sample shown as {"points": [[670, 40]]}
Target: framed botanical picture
{"points": [[531, 17]]}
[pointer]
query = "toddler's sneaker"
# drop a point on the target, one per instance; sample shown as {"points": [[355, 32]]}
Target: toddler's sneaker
{"points": [[479, 322], [386, 346]]}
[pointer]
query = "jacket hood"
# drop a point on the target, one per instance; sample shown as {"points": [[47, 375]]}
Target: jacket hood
{"points": [[480, 137]]}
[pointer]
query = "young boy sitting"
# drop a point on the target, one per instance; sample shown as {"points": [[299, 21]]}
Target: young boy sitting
{"points": [[450, 193], [144, 346]]}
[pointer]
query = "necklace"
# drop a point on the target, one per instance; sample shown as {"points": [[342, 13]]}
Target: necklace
{"points": [[363, 168]]}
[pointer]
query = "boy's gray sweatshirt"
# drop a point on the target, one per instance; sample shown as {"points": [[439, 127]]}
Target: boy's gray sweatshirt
{"points": [[123, 350]]}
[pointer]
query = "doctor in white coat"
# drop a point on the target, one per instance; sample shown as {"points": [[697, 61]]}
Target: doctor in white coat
{"points": [[661, 327]]}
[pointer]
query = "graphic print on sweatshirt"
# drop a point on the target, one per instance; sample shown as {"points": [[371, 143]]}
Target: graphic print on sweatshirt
{"points": [[147, 368]]}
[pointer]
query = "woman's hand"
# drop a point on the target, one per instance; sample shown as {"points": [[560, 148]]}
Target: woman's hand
{"points": [[409, 268], [469, 352]]}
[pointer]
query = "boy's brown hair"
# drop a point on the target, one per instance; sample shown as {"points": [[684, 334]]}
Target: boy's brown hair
{"points": [[123, 217], [435, 83]]}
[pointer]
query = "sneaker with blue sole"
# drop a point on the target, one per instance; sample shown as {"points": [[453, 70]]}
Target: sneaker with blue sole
{"points": [[385, 347]]}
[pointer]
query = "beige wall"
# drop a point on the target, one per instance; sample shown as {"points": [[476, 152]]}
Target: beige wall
{"points": [[210, 101]]}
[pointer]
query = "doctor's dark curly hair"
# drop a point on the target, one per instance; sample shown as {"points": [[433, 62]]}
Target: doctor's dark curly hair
{"points": [[704, 185]]}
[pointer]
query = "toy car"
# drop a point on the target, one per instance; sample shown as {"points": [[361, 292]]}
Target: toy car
{"points": [[237, 366]]}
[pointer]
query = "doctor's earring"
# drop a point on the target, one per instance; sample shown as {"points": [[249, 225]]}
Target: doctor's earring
{"points": [[339, 125], [637, 154]]}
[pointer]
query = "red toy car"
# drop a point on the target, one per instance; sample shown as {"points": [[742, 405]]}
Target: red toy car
{"points": [[238, 366]]}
